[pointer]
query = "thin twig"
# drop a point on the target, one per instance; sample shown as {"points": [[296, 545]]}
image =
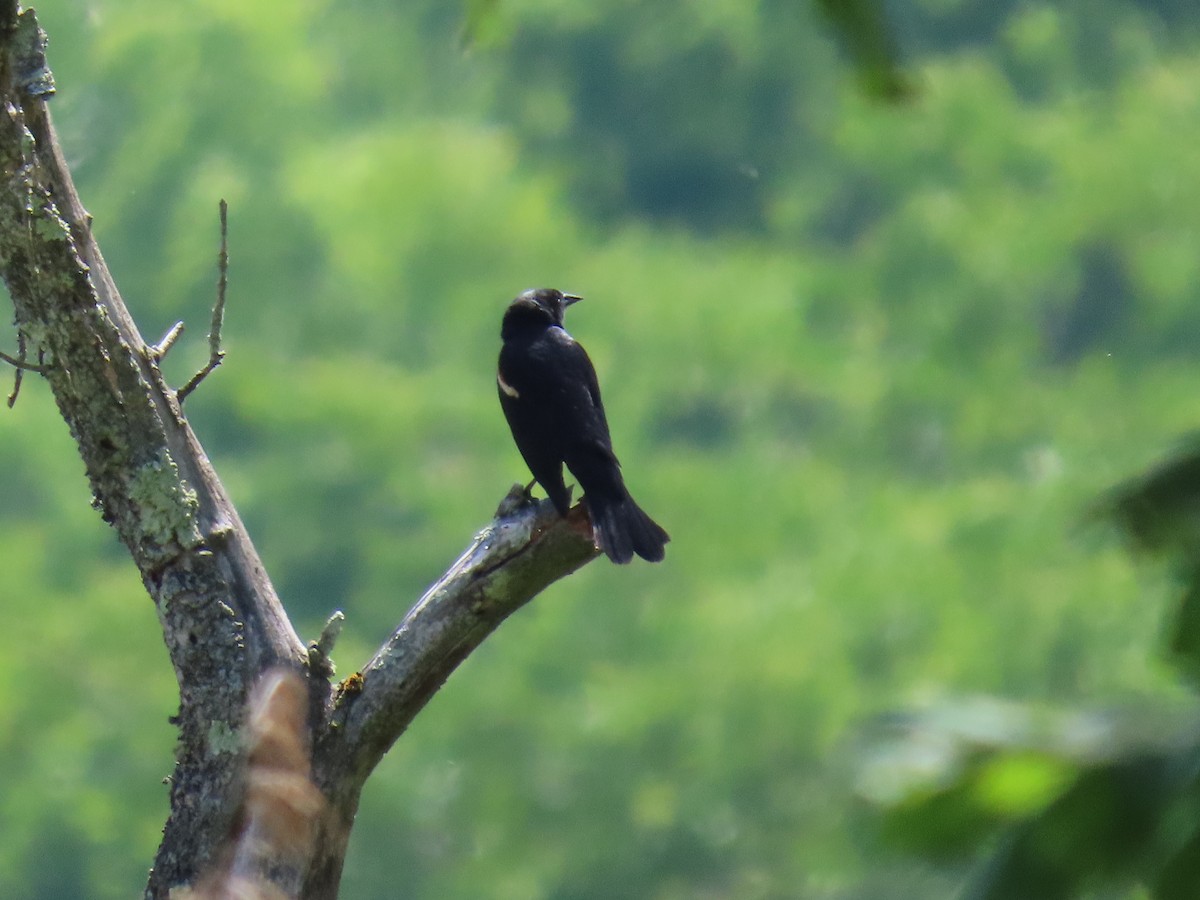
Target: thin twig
{"points": [[320, 649], [163, 347], [215, 353], [21, 365]]}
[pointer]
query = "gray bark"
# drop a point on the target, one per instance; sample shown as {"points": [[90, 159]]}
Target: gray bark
{"points": [[222, 621]]}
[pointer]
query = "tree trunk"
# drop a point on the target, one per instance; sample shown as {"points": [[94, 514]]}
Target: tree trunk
{"points": [[222, 621]]}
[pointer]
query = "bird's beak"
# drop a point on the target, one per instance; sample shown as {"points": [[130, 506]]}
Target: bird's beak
{"points": [[568, 299]]}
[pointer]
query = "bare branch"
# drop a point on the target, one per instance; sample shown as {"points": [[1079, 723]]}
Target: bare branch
{"points": [[319, 662], [519, 554], [163, 347], [508, 563], [215, 353], [18, 362], [21, 365]]}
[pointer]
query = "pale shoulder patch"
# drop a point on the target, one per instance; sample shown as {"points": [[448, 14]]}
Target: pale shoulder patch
{"points": [[506, 387]]}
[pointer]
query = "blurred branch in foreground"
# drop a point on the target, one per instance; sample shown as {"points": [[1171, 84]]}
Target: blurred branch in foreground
{"points": [[275, 823]]}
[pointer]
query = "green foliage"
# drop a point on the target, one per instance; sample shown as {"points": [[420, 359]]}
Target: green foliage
{"points": [[1083, 802], [868, 363], [1079, 801]]}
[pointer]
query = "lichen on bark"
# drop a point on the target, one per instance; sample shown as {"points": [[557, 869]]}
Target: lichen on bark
{"points": [[166, 504]]}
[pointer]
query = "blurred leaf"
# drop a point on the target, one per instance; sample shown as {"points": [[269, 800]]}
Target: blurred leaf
{"points": [[1109, 826], [1160, 510], [863, 27], [1184, 643], [1181, 873], [1018, 784], [1085, 796]]}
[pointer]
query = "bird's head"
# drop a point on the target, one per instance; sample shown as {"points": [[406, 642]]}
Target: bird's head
{"points": [[546, 304]]}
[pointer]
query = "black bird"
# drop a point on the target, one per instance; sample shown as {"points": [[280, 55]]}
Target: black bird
{"points": [[551, 398]]}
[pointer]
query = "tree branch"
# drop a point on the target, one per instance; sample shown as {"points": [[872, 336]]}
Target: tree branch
{"points": [[507, 564], [163, 347], [20, 367], [18, 362], [215, 353], [518, 555]]}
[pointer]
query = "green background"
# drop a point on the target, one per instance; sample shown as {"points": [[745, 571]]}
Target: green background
{"points": [[868, 362]]}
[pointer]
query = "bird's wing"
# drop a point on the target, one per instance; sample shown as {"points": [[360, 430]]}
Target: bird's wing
{"points": [[593, 383], [583, 407]]}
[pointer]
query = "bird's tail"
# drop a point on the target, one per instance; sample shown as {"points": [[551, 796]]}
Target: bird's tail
{"points": [[623, 529]]}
